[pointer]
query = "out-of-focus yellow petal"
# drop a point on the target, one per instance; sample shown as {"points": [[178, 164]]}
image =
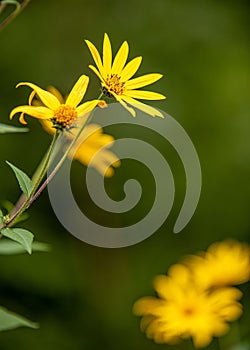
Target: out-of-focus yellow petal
{"points": [[56, 93], [104, 162], [86, 107], [144, 80], [202, 340], [143, 107], [91, 150], [46, 97], [131, 68], [145, 95], [147, 306], [48, 126], [78, 91], [96, 57], [145, 322], [36, 112], [120, 59], [107, 54]]}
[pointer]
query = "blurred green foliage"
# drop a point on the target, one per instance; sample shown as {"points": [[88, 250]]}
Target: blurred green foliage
{"points": [[82, 295]]}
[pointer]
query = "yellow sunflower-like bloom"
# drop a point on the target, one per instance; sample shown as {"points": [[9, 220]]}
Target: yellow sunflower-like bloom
{"points": [[182, 310], [62, 115], [94, 140], [116, 78], [224, 263]]}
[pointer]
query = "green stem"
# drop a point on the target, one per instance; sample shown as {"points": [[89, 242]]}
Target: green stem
{"points": [[38, 179], [59, 164], [19, 8], [66, 153], [34, 178]]}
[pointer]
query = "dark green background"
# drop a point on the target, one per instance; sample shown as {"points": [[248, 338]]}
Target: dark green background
{"points": [[82, 295]]}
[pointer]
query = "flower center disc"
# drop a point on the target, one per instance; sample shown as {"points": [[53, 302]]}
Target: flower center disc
{"points": [[114, 84], [64, 116]]}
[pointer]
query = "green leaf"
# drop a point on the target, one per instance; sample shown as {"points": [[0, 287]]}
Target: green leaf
{"points": [[4, 128], [24, 237], [241, 346], [11, 2], [1, 217], [11, 320], [8, 247], [23, 217], [24, 181], [7, 205]]}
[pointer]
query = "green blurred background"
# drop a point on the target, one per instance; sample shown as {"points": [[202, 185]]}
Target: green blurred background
{"points": [[80, 294]]}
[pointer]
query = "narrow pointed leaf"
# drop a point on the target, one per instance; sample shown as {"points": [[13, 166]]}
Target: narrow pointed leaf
{"points": [[20, 235], [4, 129], [11, 320], [8, 247], [24, 181]]}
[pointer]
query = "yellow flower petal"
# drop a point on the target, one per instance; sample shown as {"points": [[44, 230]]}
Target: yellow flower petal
{"points": [[36, 112], [86, 107], [31, 96], [22, 120], [147, 305], [120, 59], [143, 81], [131, 68], [143, 107], [46, 97], [48, 126], [202, 340], [145, 95], [96, 56], [107, 54], [145, 322], [96, 72], [78, 91], [104, 162], [56, 93], [129, 109]]}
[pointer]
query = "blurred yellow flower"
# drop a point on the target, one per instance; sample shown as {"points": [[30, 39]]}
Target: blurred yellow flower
{"points": [[224, 263], [182, 310], [62, 115], [94, 140], [115, 78]]}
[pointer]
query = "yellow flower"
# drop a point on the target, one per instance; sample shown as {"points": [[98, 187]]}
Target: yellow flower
{"points": [[94, 140], [182, 310], [224, 263], [62, 115], [116, 78]]}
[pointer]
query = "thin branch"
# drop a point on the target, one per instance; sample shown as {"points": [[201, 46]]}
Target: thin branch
{"points": [[19, 8]]}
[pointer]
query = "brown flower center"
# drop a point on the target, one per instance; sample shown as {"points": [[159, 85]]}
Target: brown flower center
{"points": [[114, 84], [64, 116], [188, 311]]}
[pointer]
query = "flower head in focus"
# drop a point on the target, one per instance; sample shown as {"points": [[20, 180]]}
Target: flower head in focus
{"points": [[116, 78], [224, 263], [94, 140], [62, 115], [183, 310]]}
